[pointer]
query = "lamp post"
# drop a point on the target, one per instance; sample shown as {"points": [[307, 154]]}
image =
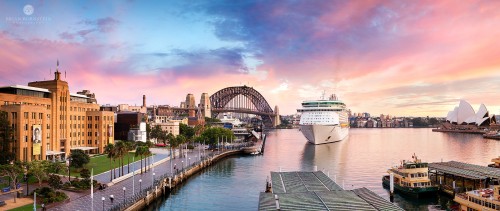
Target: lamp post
{"points": [[189, 162], [182, 165], [140, 184], [69, 169], [26, 178], [153, 180], [103, 203], [124, 188]]}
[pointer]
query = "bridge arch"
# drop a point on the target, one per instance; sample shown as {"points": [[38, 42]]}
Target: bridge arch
{"points": [[229, 100]]}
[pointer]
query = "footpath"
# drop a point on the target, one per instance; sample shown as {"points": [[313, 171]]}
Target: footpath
{"points": [[127, 188]]}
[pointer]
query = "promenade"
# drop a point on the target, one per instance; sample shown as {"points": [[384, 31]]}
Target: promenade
{"points": [[133, 187]]}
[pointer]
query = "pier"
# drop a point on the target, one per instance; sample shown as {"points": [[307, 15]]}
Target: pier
{"points": [[456, 177], [316, 191]]}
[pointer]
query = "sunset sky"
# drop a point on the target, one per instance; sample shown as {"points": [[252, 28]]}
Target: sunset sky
{"points": [[403, 58]]}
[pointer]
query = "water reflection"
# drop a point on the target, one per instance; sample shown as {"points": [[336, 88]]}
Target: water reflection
{"points": [[359, 161]]}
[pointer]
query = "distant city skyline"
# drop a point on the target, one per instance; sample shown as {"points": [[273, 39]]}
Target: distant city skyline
{"points": [[403, 58]]}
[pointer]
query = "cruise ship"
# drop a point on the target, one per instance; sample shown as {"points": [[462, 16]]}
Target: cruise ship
{"points": [[324, 121]]}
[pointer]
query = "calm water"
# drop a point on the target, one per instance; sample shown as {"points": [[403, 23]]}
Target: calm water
{"points": [[359, 161]]}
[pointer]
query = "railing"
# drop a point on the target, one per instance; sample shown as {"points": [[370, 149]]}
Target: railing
{"points": [[142, 194]]}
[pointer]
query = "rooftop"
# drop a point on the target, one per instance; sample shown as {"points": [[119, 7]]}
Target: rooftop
{"points": [[316, 191], [469, 171]]}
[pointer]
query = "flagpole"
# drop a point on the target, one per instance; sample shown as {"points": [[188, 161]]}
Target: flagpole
{"points": [[92, 188]]}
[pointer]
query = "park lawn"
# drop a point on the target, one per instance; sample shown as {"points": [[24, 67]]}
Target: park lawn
{"points": [[28, 207], [101, 164]]}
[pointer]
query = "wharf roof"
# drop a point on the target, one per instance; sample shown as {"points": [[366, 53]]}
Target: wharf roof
{"points": [[466, 170], [316, 191]]}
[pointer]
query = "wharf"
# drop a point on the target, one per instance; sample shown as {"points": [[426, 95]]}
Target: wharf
{"points": [[316, 191], [473, 131], [460, 177]]}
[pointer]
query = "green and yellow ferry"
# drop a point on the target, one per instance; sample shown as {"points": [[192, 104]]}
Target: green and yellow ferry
{"points": [[411, 178]]}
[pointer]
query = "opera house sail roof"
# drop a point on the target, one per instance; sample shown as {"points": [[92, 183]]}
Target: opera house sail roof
{"points": [[464, 114]]}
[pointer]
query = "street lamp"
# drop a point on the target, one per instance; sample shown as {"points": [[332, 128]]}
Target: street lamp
{"points": [[182, 165], [69, 169], [26, 178], [153, 180], [103, 203], [189, 162], [111, 198], [124, 188], [140, 184]]}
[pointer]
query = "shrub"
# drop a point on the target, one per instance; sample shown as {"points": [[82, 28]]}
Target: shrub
{"points": [[55, 181], [48, 195]]}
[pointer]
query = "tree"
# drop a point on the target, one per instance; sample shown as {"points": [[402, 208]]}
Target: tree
{"points": [[12, 171], [129, 146], [179, 140], [55, 167], [173, 141], [39, 169], [156, 133], [110, 151], [120, 152], [6, 138], [214, 134], [186, 131], [79, 158], [85, 173], [148, 131], [55, 181], [139, 151]]}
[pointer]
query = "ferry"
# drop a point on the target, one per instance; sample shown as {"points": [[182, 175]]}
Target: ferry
{"points": [[411, 178], [482, 199], [324, 121]]}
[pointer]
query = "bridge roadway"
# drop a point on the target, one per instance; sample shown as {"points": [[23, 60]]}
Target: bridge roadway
{"points": [[84, 203]]}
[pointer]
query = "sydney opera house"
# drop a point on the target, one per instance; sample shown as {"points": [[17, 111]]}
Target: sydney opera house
{"points": [[464, 114]]}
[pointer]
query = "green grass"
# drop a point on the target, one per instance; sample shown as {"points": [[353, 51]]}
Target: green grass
{"points": [[28, 207], [101, 164]]}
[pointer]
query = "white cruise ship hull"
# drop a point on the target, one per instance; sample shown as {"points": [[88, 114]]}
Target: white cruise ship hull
{"points": [[322, 134]]}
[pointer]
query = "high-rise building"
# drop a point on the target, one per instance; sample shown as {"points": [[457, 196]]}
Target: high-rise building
{"points": [[49, 121]]}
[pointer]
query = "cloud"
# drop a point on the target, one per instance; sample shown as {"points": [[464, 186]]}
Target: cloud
{"points": [[102, 25]]}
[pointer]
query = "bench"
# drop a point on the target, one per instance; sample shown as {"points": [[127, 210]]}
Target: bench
{"points": [[2, 203]]}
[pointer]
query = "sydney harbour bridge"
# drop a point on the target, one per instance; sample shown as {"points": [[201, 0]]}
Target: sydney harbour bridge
{"points": [[236, 99]]}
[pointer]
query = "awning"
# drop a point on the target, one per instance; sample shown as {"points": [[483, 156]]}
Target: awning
{"points": [[84, 148], [54, 153]]}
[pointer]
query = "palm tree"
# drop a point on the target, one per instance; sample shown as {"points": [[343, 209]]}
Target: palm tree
{"points": [[129, 146], [139, 152], [120, 152], [170, 138], [147, 153], [110, 150]]}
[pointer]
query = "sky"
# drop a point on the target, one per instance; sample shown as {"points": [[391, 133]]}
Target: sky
{"points": [[403, 58]]}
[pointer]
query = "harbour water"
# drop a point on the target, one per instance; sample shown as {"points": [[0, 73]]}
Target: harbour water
{"points": [[359, 161]]}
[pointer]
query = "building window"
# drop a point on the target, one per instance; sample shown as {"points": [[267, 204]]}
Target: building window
{"points": [[26, 115]]}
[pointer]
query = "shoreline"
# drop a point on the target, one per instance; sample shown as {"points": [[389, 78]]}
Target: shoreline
{"points": [[168, 184]]}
